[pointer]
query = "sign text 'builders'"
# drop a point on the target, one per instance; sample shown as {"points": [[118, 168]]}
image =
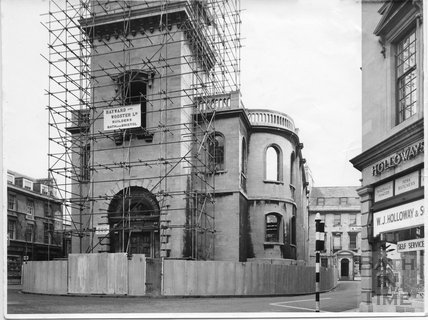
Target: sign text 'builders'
{"points": [[122, 117]]}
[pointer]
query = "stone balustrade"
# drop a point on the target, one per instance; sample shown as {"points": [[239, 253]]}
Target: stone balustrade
{"points": [[262, 117]]}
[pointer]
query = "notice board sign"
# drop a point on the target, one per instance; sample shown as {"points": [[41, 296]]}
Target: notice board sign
{"points": [[125, 117]]}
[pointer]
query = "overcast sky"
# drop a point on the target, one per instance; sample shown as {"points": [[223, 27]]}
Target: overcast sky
{"points": [[300, 57]]}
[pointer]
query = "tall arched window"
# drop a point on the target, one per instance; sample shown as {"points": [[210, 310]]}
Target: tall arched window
{"points": [[244, 156], [272, 222], [216, 151], [292, 160], [273, 163], [293, 238]]}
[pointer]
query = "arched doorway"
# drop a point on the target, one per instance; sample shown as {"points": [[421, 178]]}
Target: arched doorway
{"points": [[133, 216], [344, 269]]}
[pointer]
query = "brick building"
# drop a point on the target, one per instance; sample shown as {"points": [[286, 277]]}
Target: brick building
{"points": [[34, 223], [339, 208]]}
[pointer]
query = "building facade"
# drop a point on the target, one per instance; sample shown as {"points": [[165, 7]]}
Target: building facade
{"points": [[392, 158], [339, 208], [166, 160], [34, 223]]}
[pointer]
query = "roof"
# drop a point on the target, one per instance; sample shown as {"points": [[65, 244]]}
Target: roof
{"points": [[332, 201], [334, 192], [33, 194]]}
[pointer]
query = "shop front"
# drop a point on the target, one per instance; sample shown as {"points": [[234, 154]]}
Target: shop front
{"points": [[398, 255], [392, 219]]}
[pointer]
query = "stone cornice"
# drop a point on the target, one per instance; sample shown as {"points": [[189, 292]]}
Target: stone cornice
{"points": [[279, 131], [405, 137], [394, 15], [110, 25]]}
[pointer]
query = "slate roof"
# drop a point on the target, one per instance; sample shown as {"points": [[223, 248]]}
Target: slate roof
{"points": [[332, 196]]}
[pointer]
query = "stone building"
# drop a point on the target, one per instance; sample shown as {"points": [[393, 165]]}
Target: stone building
{"points": [[34, 223], [166, 159], [392, 158], [339, 208]]}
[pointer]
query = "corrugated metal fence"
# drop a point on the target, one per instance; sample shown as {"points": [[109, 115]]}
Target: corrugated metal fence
{"points": [[114, 273], [45, 277], [212, 278]]}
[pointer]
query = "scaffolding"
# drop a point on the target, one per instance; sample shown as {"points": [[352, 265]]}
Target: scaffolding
{"points": [[179, 61]]}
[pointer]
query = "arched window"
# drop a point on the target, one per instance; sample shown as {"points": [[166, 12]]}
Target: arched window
{"points": [[244, 157], [293, 228], [133, 90], [216, 151], [273, 163], [273, 222], [292, 160]]}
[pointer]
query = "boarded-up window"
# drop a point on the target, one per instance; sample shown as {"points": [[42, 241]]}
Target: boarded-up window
{"points": [[272, 227]]}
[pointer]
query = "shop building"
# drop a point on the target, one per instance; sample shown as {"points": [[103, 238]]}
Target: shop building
{"points": [[339, 209], [392, 158], [34, 223]]}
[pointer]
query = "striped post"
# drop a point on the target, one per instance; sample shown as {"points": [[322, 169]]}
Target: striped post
{"points": [[318, 245]]}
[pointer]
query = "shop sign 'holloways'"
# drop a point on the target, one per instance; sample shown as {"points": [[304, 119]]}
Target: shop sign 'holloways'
{"points": [[397, 158]]}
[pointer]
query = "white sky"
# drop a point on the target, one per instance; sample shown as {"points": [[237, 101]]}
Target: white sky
{"points": [[300, 57]]}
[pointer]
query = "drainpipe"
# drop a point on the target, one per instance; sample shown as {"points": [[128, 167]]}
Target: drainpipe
{"points": [[162, 276]]}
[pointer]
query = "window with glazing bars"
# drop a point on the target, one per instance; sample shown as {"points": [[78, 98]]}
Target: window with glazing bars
{"points": [[352, 219], [352, 241], [48, 229], [337, 220], [406, 76], [11, 229], [29, 233], [11, 202], [337, 242], [30, 207], [216, 143]]}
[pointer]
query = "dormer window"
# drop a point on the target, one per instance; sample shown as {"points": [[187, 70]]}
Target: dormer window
{"points": [[321, 201], [10, 178], [44, 189], [343, 200], [27, 184]]}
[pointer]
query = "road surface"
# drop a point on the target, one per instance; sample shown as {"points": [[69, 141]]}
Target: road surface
{"points": [[343, 298]]}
